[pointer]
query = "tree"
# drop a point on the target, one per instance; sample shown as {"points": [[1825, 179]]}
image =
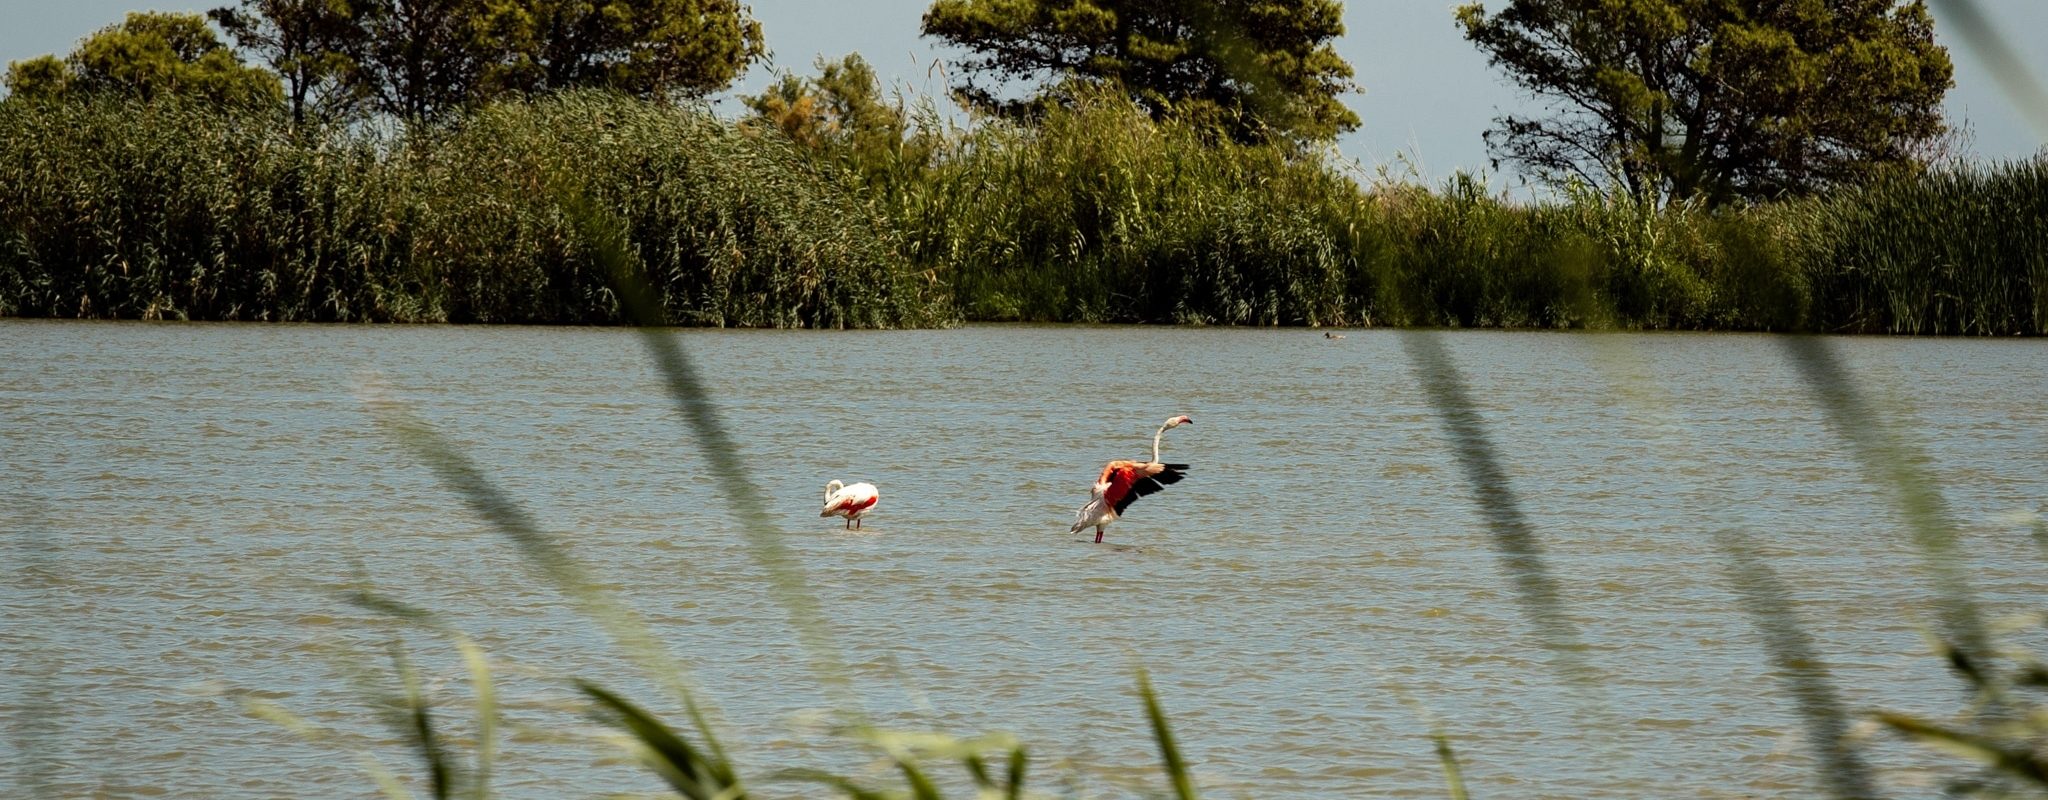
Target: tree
{"points": [[1260, 68], [39, 78], [422, 59], [304, 42], [1720, 99], [416, 59], [843, 105], [651, 48], [148, 55]]}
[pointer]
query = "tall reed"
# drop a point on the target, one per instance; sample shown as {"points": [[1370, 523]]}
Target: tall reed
{"points": [[177, 211], [1097, 213], [1961, 250], [1093, 213]]}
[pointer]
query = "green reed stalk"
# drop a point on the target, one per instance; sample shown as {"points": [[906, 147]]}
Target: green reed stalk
{"points": [[544, 554], [1169, 750]]}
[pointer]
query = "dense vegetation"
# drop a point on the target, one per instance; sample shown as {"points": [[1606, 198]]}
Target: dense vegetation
{"points": [[176, 211], [171, 210], [412, 160], [1717, 100], [1258, 69]]}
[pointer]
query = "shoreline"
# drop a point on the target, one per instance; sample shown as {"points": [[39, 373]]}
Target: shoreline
{"points": [[1016, 324]]}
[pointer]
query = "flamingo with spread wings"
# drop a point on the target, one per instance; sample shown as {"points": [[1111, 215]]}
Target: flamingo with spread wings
{"points": [[1123, 482]]}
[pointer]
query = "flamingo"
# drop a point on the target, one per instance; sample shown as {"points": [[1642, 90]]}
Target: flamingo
{"points": [[850, 502], [1123, 482]]}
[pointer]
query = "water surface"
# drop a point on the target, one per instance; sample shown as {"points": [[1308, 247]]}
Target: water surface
{"points": [[186, 502]]}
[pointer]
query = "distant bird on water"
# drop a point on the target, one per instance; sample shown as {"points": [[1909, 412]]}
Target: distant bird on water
{"points": [[1329, 335], [850, 501], [1123, 482]]}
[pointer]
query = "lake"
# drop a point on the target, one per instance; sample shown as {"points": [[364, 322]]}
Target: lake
{"points": [[186, 505]]}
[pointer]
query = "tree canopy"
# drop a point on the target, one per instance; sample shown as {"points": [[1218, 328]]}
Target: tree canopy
{"points": [[302, 41], [649, 48], [1260, 68], [416, 59], [424, 58], [843, 105], [1722, 99], [147, 55]]}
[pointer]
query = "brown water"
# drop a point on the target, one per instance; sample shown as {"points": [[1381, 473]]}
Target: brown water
{"points": [[184, 504]]}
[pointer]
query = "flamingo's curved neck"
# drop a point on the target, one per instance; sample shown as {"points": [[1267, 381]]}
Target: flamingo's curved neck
{"points": [[1155, 443]]}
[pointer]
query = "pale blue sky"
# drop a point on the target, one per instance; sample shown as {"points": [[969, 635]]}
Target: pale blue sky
{"points": [[1428, 94]]}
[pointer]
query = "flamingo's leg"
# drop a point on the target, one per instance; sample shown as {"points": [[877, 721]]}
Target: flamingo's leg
{"points": [[849, 523], [1098, 534]]}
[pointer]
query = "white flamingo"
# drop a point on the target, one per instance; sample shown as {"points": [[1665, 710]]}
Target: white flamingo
{"points": [[850, 501], [1123, 482]]}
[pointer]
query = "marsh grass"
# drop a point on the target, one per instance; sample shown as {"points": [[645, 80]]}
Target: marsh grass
{"points": [[1962, 251], [1096, 213], [1099, 214], [111, 209]]}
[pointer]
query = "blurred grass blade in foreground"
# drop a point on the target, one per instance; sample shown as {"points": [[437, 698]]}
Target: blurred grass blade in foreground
{"points": [[413, 718], [1454, 778], [1446, 757], [486, 715], [1169, 751], [2006, 759], [474, 659], [1514, 539], [545, 555], [2021, 86], [696, 774], [1769, 604], [1889, 461], [644, 310], [387, 782]]}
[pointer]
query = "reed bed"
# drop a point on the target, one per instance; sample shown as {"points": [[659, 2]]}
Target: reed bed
{"points": [[174, 211], [1959, 251], [1094, 213], [1097, 213]]}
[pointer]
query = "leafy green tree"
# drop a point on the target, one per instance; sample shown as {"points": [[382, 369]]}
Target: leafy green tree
{"points": [[843, 105], [417, 59], [148, 55], [1721, 99], [422, 59], [843, 114], [1260, 68], [649, 48], [304, 42], [39, 78]]}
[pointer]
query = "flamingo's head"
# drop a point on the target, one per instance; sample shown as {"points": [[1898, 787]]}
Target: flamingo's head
{"points": [[1179, 421]]}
